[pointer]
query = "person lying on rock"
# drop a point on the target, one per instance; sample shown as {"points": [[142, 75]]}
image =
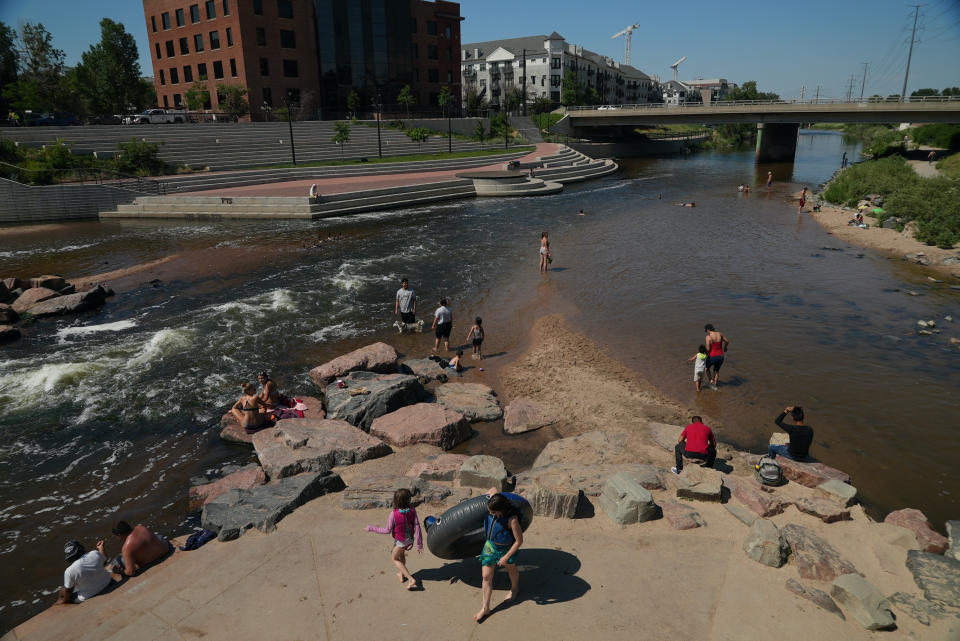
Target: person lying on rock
{"points": [[139, 547], [86, 576], [801, 436], [247, 410], [696, 442]]}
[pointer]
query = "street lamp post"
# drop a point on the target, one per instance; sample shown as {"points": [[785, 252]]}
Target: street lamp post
{"points": [[290, 107], [379, 105]]}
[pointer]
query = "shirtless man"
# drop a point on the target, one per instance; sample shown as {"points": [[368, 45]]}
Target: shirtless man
{"points": [[139, 548], [270, 395], [717, 344]]}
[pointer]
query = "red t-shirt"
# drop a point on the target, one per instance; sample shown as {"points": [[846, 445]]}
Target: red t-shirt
{"points": [[698, 436]]}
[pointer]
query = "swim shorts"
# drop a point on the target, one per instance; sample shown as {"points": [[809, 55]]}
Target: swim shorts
{"points": [[408, 317], [714, 362], [443, 330], [492, 553], [477, 342]]}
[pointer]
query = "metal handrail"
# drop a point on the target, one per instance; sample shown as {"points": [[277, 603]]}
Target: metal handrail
{"points": [[747, 103], [92, 175]]}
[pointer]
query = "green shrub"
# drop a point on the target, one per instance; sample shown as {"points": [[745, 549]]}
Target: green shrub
{"points": [[883, 143], [938, 135], [58, 156], [950, 166], [140, 157], [934, 205], [9, 152], [883, 177]]}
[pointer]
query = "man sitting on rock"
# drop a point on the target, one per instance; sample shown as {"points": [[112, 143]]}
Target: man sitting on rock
{"points": [[139, 548], [696, 442], [801, 435], [86, 576]]}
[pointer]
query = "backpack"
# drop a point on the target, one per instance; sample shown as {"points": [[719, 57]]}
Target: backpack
{"points": [[769, 472]]}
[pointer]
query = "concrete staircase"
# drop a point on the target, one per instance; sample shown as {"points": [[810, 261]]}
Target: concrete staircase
{"points": [[569, 166]]}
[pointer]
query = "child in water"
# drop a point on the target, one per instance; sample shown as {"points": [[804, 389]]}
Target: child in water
{"points": [[455, 362], [477, 334], [402, 524], [504, 538], [699, 365]]}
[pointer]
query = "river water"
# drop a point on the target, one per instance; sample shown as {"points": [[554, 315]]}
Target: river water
{"points": [[108, 415]]}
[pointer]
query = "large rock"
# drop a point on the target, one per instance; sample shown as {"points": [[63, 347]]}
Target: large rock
{"points": [[824, 509], [664, 435], [31, 297], [378, 357], [693, 484], [552, 491], [7, 315], [764, 544], [626, 501], [863, 602], [377, 492], [56, 283], [475, 401], [442, 467], [681, 516], [916, 521], [837, 491], [368, 396], [752, 497], [425, 369], [810, 474], [742, 514], [525, 415], [595, 447], [233, 513], [953, 534], [298, 445], [818, 597], [69, 304], [246, 478], [920, 609], [938, 576], [484, 472], [422, 423], [15, 283], [8, 333], [816, 559]]}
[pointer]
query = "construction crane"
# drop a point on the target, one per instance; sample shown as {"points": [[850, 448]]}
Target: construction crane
{"points": [[675, 65], [628, 32]]}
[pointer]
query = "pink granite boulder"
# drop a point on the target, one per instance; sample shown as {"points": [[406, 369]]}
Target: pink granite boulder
{"points": [[245, 478], [233, 433], [525, 415], [299, 445], [56, 283], [31, 297], [442, 467], [378, 357], [824, 509], [810, 474], [681, 516], [422, 423], [916, 521], [748, 492]]}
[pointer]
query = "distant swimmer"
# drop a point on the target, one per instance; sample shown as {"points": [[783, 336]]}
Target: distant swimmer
{"points": [[581, 213], [746, 189], [803, 199], [741, 187], [685, 204], [659, 196], [769, 179]]}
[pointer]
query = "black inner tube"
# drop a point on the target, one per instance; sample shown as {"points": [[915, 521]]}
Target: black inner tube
{"points": [[458, 532]]}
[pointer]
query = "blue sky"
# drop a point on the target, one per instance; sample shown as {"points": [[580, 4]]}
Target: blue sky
{"points": [[783, 46]]}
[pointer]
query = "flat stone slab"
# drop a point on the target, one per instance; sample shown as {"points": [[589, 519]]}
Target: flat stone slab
{"points": [[816, 559], [31, 297], [916, 521], [625, 501], [525, 415], [69, 304], [862, 601], [810, 474], [368, 396], [233, 513], [246, 478], [742, 514], [705, 490], [475, 401], [765, 545], [442, 467], [818, 597], [483, 472], [301, 445], [837, 491], [824, 509], [232, 432], [378, 493], [430, 423], [377, 357], [665, 435], [920, 609], [427, 370], [681, 516], [752, 497], [590, 448], [938, 576], [554, 490]]}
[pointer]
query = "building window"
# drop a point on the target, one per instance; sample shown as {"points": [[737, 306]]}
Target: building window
{"points": [[267, 97], [533, 80], [184, 47], [414, 50], [543, 81], [290, 68], [413, 25], [229, 37], [483, 67], [555, 63], [174, 76], [261, 37], [179, 17], [156, 46], [449, 54], [431, 52], [166, 103], [258, 7], [446, 31], [233, 67], [211, 9], [431, 27], [214, 40], [153, 23], [170, 52], [177, 101], [449, 77], [288, 39], [163, 79], [218, 69], [416, 75], [264, 67], [188, 74], [483, 82], [555, 80], [285, 8], [198, 42], [226, 7], [202, 71], [433, 75], [194, 13], [165, 19]]}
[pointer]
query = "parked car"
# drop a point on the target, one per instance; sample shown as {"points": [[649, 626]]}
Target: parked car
{"points": [[58, 119], [105, 119], [156, 116]]}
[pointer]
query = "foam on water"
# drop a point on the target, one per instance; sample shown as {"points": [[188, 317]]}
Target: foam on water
{"points": [[90, 329], [334, 332], [165, 341]]}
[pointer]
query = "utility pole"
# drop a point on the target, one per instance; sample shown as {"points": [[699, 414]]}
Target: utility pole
{"points": [[817, 99], [524, 83], [863, 84], [850, 86], [913, 38], [802, 89]]}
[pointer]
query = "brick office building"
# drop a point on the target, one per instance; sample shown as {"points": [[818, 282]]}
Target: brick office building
{"points": [[310, 52]]}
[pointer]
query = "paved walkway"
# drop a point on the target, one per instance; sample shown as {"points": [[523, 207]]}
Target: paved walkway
{"points": [[360, 183]]}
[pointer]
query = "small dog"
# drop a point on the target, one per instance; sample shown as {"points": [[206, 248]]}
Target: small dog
{"points": [[409, 327]]}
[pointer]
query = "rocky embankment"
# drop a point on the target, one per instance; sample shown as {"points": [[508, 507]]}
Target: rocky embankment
{"points": [[375, 406], [23, 300]]}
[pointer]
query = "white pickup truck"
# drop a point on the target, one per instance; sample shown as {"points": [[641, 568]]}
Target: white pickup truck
{"points": [[156, 117]]}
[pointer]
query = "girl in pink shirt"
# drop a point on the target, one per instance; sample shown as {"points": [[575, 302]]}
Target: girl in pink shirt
{"points": [[402, 524]]}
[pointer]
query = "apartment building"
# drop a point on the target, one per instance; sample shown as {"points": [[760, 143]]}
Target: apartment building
{"points": [[496, 68], [311, 53]]}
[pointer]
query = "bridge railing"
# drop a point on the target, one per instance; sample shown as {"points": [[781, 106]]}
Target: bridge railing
{"points": [[752, 103]]}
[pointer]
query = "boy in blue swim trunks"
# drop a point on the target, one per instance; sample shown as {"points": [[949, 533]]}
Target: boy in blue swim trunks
{"points": [[504, 538]]}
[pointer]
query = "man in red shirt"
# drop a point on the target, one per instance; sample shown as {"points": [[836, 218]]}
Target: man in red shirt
{"points": [[696, 442]]}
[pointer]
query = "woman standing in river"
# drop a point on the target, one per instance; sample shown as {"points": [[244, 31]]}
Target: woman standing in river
{"points": [[716, 344], [544, 252]]}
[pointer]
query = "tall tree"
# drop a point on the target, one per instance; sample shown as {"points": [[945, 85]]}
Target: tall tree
{"points": [[197, 96], [9, 63], [233, 101], [406, 99], [749, 91], [353, 103], [40, 71], [445, 99], [571, 91], [473, 101], [925, 92], [111, 71]]}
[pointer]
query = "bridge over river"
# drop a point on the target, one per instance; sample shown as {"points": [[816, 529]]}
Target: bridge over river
{"points": [[778, 121]]}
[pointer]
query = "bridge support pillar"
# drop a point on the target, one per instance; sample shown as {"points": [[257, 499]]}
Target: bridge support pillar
{"points": [[777, 142]]}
